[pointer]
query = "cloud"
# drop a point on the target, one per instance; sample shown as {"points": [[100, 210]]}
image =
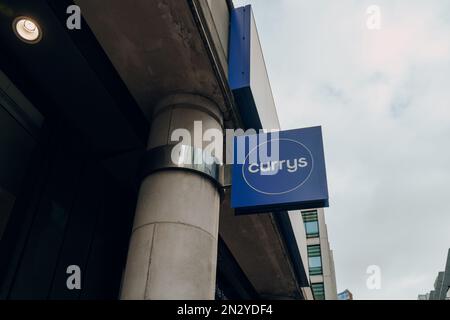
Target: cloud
{"points": [[382, 98]]}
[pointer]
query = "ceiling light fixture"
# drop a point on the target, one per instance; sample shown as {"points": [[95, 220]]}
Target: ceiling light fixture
{"points": [[27, 29]]}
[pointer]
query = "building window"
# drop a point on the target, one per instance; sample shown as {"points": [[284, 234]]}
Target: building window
{"points": [[311, 223], [318, 291], [314, 260]]}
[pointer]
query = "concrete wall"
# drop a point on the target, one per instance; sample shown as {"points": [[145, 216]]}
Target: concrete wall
{"points": [[217, 16], [329, 278], [221, 17], [300, 235], [333, 285]]}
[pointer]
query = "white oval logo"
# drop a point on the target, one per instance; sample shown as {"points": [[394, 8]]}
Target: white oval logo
{"points": [[279, 176]]}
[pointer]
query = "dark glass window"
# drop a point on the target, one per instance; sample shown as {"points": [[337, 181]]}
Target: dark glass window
{"points": [[318, 291], [314, 260], [311, 223]]}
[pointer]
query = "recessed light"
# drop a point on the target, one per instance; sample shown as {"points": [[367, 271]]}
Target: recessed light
{"points": [[27, 29]]}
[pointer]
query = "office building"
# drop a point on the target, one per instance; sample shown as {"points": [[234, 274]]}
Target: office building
{"points": [[89, 209], [424, 296], [345, 295], [441, 284], [320, 256]]}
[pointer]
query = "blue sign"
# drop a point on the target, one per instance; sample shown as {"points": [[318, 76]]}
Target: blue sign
{"points": [[248, 74], [281, 171]]}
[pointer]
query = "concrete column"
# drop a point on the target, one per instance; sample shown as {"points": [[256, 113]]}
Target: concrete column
{"points": [[173, 246]]}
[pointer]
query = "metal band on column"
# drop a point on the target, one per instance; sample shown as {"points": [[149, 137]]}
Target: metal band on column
{"points": [[184, 158]]}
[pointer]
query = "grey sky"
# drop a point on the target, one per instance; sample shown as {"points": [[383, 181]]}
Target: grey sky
{"points": [[383, 99]]}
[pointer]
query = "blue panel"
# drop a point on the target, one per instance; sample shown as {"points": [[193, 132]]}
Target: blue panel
{"points": [[247, 108], [239, 66], [239, 55], [295, 180]]}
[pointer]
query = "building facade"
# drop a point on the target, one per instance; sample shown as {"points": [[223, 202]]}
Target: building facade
{"points": [[441, 284], [424, 296], [345, 295], [320, 256], [87, 116]]}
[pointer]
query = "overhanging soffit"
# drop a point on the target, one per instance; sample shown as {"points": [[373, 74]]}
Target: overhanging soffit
{"points": [[156, 48]]}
